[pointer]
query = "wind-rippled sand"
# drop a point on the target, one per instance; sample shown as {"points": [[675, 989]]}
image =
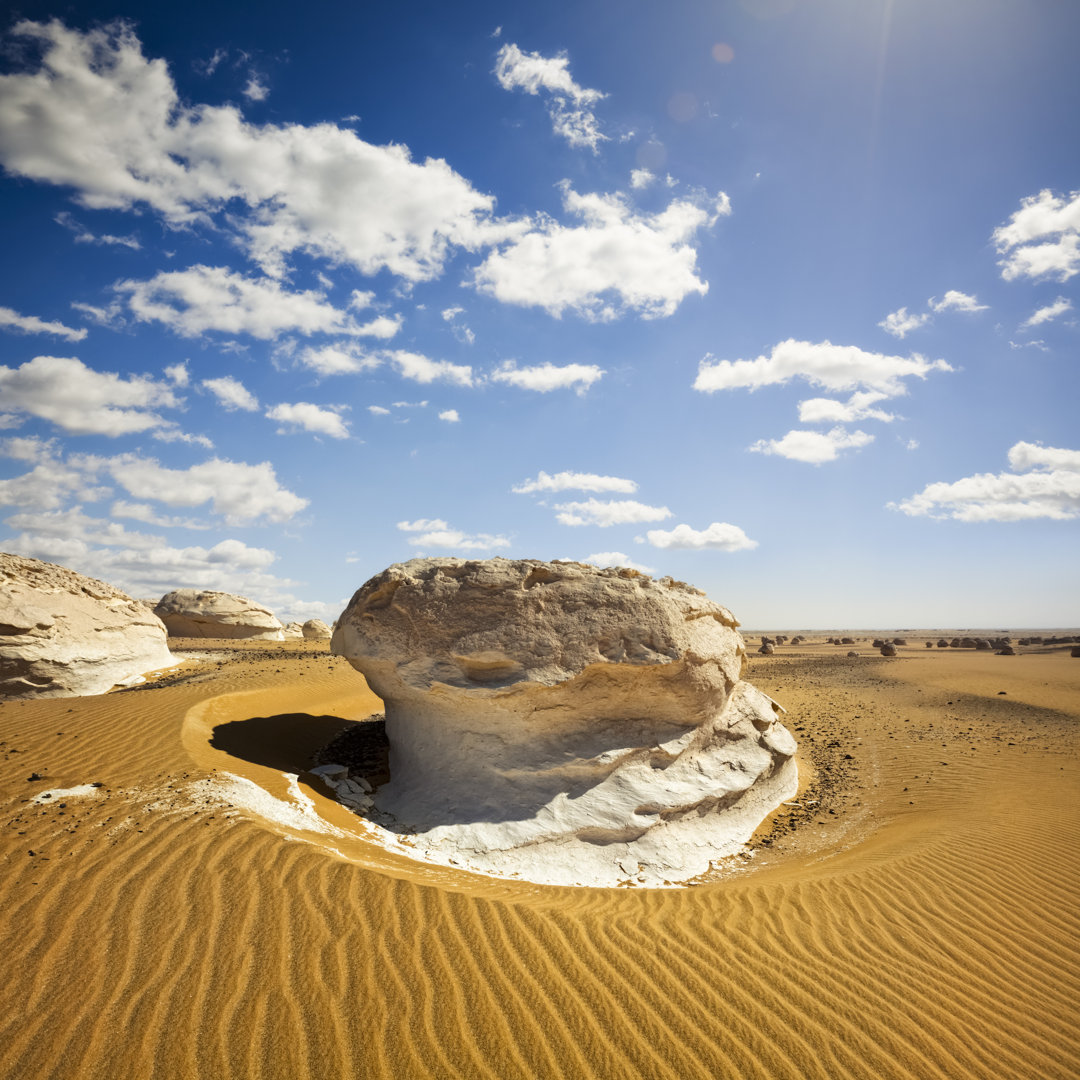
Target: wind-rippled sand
{"points": [[208, 913]]}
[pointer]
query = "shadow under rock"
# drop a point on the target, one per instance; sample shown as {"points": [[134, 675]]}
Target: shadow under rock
{"points": [[295, 742]]}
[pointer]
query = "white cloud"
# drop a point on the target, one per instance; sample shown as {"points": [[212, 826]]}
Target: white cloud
{"points": [[956, 301], [422, 370], [616, 558], [900, 323], [1044, 483], [1042, 238], [547, 376], [31, 324], [51, 482], [450, 416], [339, 358], [178, 374], [232, 393], [436, 533], [84, 236], [307, 417], [460, 330], [612, 512], [813, 447], [240, 492], [204, 298], [383, 327], [575, 481], [256, 89], [145, 513], [1050, 311], [451, 313], [835, 367], [98, 116], [719, 536], [83, 401], [857, 407], [641, 178], [616, 261], [378, 410], [569, 105]]}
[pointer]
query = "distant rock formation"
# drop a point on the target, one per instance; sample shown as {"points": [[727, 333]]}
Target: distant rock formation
{"points": [[208, 614], [888, 649], [767, 649], [1075, 651], [564, 723], [293, 631], [316, 630], [66, 635], [1006, 650]]}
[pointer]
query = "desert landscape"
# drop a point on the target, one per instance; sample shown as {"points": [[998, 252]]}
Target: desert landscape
{"points": [[184, 898]]}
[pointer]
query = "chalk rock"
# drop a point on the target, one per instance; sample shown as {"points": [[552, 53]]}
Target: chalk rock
{"points": [[293, 631], [560, 723], [195, 613], [316, 630], [66, 635]]}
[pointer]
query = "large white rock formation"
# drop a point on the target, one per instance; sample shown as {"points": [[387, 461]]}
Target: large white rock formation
{"points": [[316, 630], [66, 635], [195, 613], [564, 723]]}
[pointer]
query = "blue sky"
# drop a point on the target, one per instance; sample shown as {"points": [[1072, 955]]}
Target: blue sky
{"points": [[776, 297]]}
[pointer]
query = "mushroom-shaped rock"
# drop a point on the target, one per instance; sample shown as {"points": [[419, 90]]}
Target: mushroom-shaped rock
{"points": [[316, 630], [195, 613], [852, 652], [983, 645], [1006, 650], [767, 649], [66, 635], [888, 649], [942, 643], [293, 631], [564, 723]]}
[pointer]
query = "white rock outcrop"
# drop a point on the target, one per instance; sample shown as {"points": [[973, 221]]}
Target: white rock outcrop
{"points": [[208, 614], [316, 630], [563, 723], [66, 635], [293, 631]]}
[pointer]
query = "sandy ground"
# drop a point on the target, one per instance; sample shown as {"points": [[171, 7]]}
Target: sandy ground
{"points": [[207, 912]]}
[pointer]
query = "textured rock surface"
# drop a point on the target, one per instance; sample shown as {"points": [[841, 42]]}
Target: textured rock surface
{"points": [[195, 613], [564, 723], [316, 630], [293, 631], [66, 635]]}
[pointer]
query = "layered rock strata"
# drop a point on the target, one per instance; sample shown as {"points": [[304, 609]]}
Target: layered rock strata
{"points": [[563, 723], [205, 613], [66, 635]]}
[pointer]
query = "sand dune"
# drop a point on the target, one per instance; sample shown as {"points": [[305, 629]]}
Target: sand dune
{"points": [[209, 913]]}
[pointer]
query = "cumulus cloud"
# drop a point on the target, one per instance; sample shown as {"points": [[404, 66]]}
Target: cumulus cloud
{"points": [[450, 416], [241, 493], [436, 533], [575, 481], [569, 105], [617, 559], [547, 376], [66, 392], [1044, 483], [611, 512], [616, 261], [1045, 314], [814, 447], [232, 394], [719, 536], [378, 410], [954, 300], [51, 482], [178, 374], [860, 406], [900, 323], [255, 89], [31, 324], [1042, 238], [641, 178], [834, 367], [424, 370], [307, 417], [214, 298], [96, 115], [339, 358], [145, 513]]}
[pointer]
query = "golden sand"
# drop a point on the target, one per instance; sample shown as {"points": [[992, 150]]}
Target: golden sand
{"points": [[915, 915]]}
